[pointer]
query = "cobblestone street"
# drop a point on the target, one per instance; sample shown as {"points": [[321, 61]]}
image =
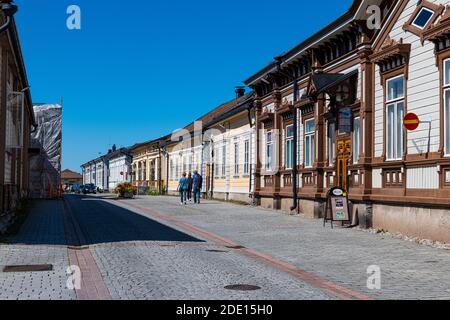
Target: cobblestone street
{"points": [[153, 248]]}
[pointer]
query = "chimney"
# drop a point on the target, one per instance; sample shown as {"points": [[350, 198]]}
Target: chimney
{"points": [[240, 92]]}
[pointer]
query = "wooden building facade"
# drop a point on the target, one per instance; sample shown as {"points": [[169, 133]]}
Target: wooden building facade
{"points": [[16, 124], [355, 85]]}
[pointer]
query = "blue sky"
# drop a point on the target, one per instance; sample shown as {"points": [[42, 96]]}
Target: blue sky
{"points": [[138, 70]]}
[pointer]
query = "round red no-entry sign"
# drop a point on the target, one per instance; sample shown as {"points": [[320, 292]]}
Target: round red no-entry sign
{"points": [[411, 121]]}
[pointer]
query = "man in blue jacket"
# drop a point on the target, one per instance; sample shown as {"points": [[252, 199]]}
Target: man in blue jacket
{"points": [[197, 183]]}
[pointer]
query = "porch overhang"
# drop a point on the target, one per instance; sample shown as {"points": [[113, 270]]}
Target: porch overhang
{"points": [[326, 83]]}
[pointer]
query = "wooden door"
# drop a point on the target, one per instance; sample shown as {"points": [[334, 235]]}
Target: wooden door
{"points": [[344, 149]]}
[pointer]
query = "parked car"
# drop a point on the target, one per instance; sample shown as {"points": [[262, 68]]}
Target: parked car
{"points": [[89, 188], [80, 189], [76, 188]]}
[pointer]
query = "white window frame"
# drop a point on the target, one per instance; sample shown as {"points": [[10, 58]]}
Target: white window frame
{"points": [[446, 88], [289, 140], [395, 102], [269, 147], [331, 143], [310, 142], [191, 163], [236, 159], [417, 16], [224, 160], [216, 162], [246, 157], [184, 166], [356, 140]]}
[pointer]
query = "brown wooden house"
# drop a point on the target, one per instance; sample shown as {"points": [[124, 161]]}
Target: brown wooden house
{"points": [[354, 84]]}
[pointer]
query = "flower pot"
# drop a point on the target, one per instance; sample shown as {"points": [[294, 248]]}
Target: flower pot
{"points": [[128, 195]]}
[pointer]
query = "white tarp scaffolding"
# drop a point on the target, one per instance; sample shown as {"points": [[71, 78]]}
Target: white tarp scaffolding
{"points": [[45, 168]]}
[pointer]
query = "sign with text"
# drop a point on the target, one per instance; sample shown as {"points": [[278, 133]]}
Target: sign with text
{"points": [[345, 120], [337, 208]]}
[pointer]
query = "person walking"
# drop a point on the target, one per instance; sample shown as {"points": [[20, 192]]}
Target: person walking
{"points": [[183, 186], [189, 191], [197, 184]]}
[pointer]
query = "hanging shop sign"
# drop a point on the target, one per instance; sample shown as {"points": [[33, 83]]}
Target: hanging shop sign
{"points": [[345, 120]]}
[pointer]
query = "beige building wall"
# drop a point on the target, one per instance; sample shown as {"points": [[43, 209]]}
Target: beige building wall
{"points": [[228, 174], [152, 175]]}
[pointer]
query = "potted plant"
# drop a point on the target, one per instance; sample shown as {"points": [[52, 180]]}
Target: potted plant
{"points": [[126, 190]]}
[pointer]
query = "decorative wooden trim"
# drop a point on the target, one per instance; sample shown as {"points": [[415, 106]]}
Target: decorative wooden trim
{"points": [[267, 118], [392, 54], [437, 9], [389, 25], [434, 31], [285, 109]]}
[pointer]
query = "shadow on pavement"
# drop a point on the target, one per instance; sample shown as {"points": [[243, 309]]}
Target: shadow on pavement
{"points": [[98, 221]]}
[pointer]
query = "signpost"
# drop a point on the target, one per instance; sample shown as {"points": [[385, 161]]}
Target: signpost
{"points": [[411, 122], [337, 206]]}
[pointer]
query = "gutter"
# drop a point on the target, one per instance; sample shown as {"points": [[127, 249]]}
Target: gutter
{"points": [[249, 115], [9, 10]]}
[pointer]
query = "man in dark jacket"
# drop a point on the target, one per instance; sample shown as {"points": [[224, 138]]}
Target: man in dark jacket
{"points": [[197, 184]]}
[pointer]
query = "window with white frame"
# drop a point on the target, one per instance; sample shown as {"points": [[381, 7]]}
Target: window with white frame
{"points": [[289, 147], [395, 105], [216, 162], [331, 143], [224, 160], [184, 164], [423, 17], [309, 143], [236, 159], [198, 164], [356, 139], [177, 169], [269, 151], [171, 169], [447, 106], [246, 157]]}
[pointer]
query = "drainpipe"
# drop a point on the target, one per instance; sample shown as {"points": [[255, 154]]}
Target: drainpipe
{"points": [[167, 169], [250, 150], [9, 11], [159, 171], [212, 171], [295, 169]]}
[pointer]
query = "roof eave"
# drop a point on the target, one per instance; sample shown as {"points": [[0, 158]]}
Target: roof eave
{"points": [[343, 20]]}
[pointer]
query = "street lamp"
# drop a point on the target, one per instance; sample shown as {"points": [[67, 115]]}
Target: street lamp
{"points": [[9, 10]]}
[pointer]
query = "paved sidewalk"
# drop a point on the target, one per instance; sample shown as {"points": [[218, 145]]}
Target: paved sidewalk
{"points": [[44, 225], [409, 270], [34, 285], [192, 271], [40, 241]]}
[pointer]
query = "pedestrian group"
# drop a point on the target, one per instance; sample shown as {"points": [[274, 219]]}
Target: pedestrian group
{"points": [[190, 185]]}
